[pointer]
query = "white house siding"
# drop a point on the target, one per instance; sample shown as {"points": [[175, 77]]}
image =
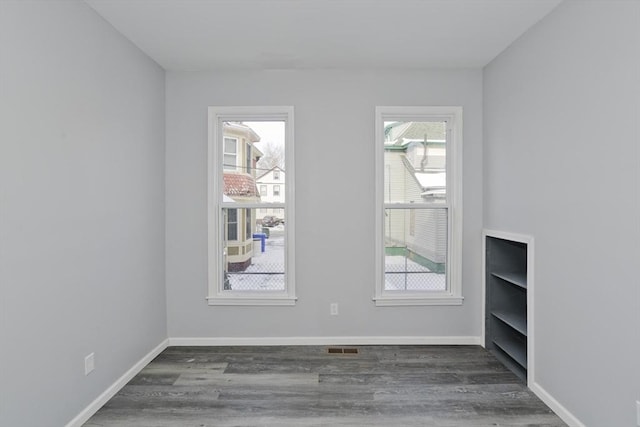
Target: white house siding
{"points": [[430, 237], [269, 181], [427, 236]]}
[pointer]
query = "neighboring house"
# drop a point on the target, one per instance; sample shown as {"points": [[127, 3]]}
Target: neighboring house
{"points": [[415, 169], [271, 188], [239, 163]]}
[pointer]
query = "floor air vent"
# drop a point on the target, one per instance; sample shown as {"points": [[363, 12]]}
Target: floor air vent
{"points": [[341, 350]]}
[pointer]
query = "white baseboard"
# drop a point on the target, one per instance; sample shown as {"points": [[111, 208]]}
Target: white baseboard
{"points": [[555, 406], [258, 341], [94, 406]]}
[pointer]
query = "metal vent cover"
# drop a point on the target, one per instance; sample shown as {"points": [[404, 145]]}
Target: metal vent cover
{"points": [[342, 350]]}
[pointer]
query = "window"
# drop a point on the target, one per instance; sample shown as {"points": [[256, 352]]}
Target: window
{"points": [[248, 220], [276, 175], [249, 264], [276, 190], [230, 153], [418, 206], [232, 224]]}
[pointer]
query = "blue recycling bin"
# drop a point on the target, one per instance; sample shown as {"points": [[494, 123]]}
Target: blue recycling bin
{"points": [[263, 240]]}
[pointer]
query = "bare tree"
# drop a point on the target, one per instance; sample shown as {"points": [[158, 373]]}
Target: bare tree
{"points": [[273, 155]]}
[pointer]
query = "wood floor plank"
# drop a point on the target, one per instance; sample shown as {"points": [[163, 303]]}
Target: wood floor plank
{"points": [[430, 386]]}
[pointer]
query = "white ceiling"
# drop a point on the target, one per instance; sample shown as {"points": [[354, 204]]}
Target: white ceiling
{"points": [[290, 34]]}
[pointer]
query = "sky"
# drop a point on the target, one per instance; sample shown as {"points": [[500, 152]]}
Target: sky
{"points": [[269, 132]]}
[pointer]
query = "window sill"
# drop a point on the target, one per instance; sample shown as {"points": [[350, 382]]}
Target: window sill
{"points": [[386, 301], [265, 301]]}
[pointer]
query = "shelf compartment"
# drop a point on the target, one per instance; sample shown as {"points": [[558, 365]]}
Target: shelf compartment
{"points": [[517, 322], [514, 349], [510, 363], [517, 279]]}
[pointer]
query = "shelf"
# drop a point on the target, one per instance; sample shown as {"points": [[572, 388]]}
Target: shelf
{"points": [[518, 279], [510, 363], [517, 322], [517, 351], [506, 265]]}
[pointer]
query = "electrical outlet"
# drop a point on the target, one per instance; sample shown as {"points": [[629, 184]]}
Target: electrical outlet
{"points": [[334, 308], [89, 363], [638, 412]]}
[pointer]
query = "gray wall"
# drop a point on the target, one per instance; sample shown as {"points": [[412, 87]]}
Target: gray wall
{"points": [[81, 209], [562, 108], [334, 129]]}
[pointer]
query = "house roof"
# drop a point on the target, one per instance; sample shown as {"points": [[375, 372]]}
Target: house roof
{"points": [[432, 180], [237, 184], [239, 127], [402, 133], [432, 183]]}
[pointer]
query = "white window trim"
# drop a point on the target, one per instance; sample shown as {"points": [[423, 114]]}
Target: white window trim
{"points": [[216, 295], [453, 293]]}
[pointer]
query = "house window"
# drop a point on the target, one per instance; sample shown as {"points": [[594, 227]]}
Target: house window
{"points": [[418, 200], [247, 221], [276, 175], [249, 269], [276, 190], [230, 153], [232, 224]]}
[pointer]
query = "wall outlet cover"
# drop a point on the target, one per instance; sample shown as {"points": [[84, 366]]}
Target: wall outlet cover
{"points": [[334, 309]]}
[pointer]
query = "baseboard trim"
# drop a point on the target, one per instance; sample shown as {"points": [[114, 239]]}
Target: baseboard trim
{"points": [[555, 406], [94, 406], [262, 341]]}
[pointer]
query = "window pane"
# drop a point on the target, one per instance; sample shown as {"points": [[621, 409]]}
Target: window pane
{"points": [[257, 262], [230, 145], [229, 162], [414, 162], [232, 224], [255, 163], [415, 249], [249, 221]]}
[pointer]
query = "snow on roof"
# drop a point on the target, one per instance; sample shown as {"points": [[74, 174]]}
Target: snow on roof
{"points": [[432, 180], [415, 131], [241, 127]]}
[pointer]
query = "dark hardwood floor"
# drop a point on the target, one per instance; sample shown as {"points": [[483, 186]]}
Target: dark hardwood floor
{"points": [[439, 386]]}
